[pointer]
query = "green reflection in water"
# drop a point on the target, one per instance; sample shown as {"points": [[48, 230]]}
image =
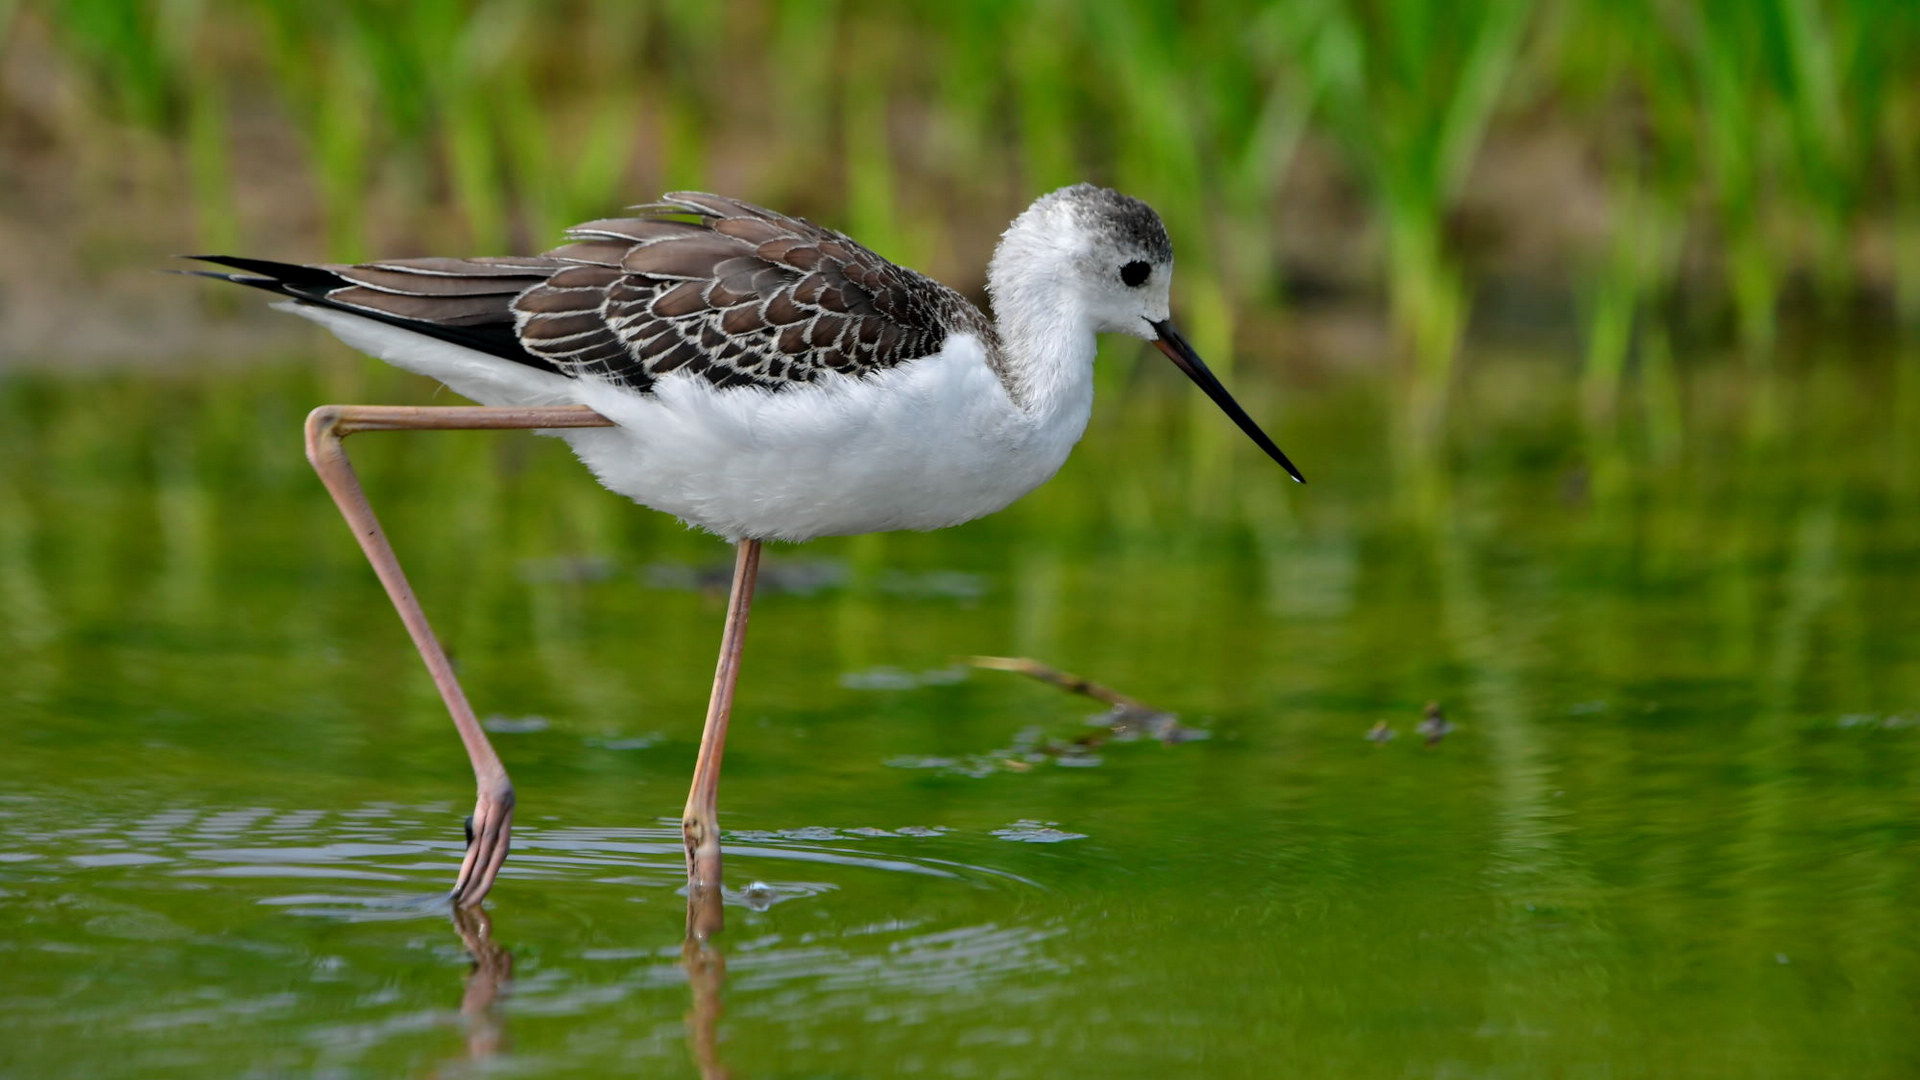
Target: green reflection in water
{"points": [[1673, 832]]}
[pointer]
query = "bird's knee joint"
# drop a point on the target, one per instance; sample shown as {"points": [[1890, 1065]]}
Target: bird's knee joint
{"points": [[324, 420], [323, 432], [694, 831]]}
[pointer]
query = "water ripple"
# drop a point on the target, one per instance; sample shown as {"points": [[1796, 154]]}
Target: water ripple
{"points": [[368, 852]]}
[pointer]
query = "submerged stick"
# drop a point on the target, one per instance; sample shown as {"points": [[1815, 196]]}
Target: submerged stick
{"points": [[1127, 718], [1071, 683]]}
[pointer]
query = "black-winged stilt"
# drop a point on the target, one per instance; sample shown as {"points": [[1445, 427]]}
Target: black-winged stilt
{"points": [[755, 375]]}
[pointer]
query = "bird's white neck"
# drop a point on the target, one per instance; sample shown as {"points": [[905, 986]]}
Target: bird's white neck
{"points": [[1046, 331]]}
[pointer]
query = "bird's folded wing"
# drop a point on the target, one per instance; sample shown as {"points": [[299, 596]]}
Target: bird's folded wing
{"points": [[696, 284], [738, 294]]}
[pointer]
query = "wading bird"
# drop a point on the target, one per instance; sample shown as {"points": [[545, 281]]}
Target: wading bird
{"points": [[754, 375]]}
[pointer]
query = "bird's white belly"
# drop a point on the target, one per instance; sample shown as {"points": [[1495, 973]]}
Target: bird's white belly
{"points": [[925, 445]]}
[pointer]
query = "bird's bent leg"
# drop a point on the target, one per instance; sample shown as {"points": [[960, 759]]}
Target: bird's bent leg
{"points": [[700, 825], [488, 829]]}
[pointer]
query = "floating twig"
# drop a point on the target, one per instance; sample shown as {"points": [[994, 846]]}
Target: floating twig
{"points": [[1073, 684], [1127, 718]]}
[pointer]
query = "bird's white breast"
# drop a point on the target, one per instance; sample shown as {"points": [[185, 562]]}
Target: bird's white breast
{"points": [[923, 445]]}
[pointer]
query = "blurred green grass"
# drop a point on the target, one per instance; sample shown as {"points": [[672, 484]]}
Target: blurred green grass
{"points": [[1753, 151]]}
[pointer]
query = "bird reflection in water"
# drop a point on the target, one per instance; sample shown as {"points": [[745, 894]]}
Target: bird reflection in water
{"points": [[706, 974], [492, 974], [706, 969], [488, 980]]}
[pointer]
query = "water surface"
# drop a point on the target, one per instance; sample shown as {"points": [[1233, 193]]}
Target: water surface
{"points": [[1672, 832]]}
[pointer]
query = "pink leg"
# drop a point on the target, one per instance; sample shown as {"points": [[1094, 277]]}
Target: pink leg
{"points": [[487, 832], [700, 823]]}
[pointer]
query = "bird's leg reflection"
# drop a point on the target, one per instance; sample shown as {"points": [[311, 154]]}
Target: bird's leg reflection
{"points": [[704, 917], [492, 971], [706, 974]]}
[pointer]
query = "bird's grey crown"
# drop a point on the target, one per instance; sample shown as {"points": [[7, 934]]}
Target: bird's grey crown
{"points": [[1130, 224]]}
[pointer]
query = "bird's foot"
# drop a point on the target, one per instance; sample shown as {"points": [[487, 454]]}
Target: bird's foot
{"points": [[704, 896], [488, 831]]}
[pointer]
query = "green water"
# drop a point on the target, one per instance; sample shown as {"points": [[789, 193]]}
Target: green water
{"points": [[1672, 834]]}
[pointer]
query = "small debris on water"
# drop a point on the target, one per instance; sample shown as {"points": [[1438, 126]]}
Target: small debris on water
{"points": [[893, 678], [814, 833], [515, 725], [1380, 733], [1067, 681], [1435, 726], [1126, 718], [632, 742], [1874, 720], [974, 765], [920, 761], [1125, 723], [880, 678], [934, 584], [799, 577], [818, 833], [811, 577], [810, 832], [1036, 832]]}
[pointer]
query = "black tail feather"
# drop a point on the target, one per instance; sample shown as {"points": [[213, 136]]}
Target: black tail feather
{"points": [[289, 276], [311, 284]]}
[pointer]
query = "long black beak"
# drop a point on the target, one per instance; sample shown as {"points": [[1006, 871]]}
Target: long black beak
{"points": [[1187, 360]]}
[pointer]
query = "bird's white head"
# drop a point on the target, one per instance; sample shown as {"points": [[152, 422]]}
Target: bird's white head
{"points": [[1087, 260], [1104, 256]]}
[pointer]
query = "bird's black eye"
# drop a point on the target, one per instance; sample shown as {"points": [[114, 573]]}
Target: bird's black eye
{"points": [[1135, 273]]}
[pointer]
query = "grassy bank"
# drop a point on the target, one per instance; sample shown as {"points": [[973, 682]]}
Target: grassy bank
{"points": [[1695, 166]]}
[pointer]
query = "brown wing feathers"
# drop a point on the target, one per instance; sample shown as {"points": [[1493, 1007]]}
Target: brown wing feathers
{"points": [[739, 295]]}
